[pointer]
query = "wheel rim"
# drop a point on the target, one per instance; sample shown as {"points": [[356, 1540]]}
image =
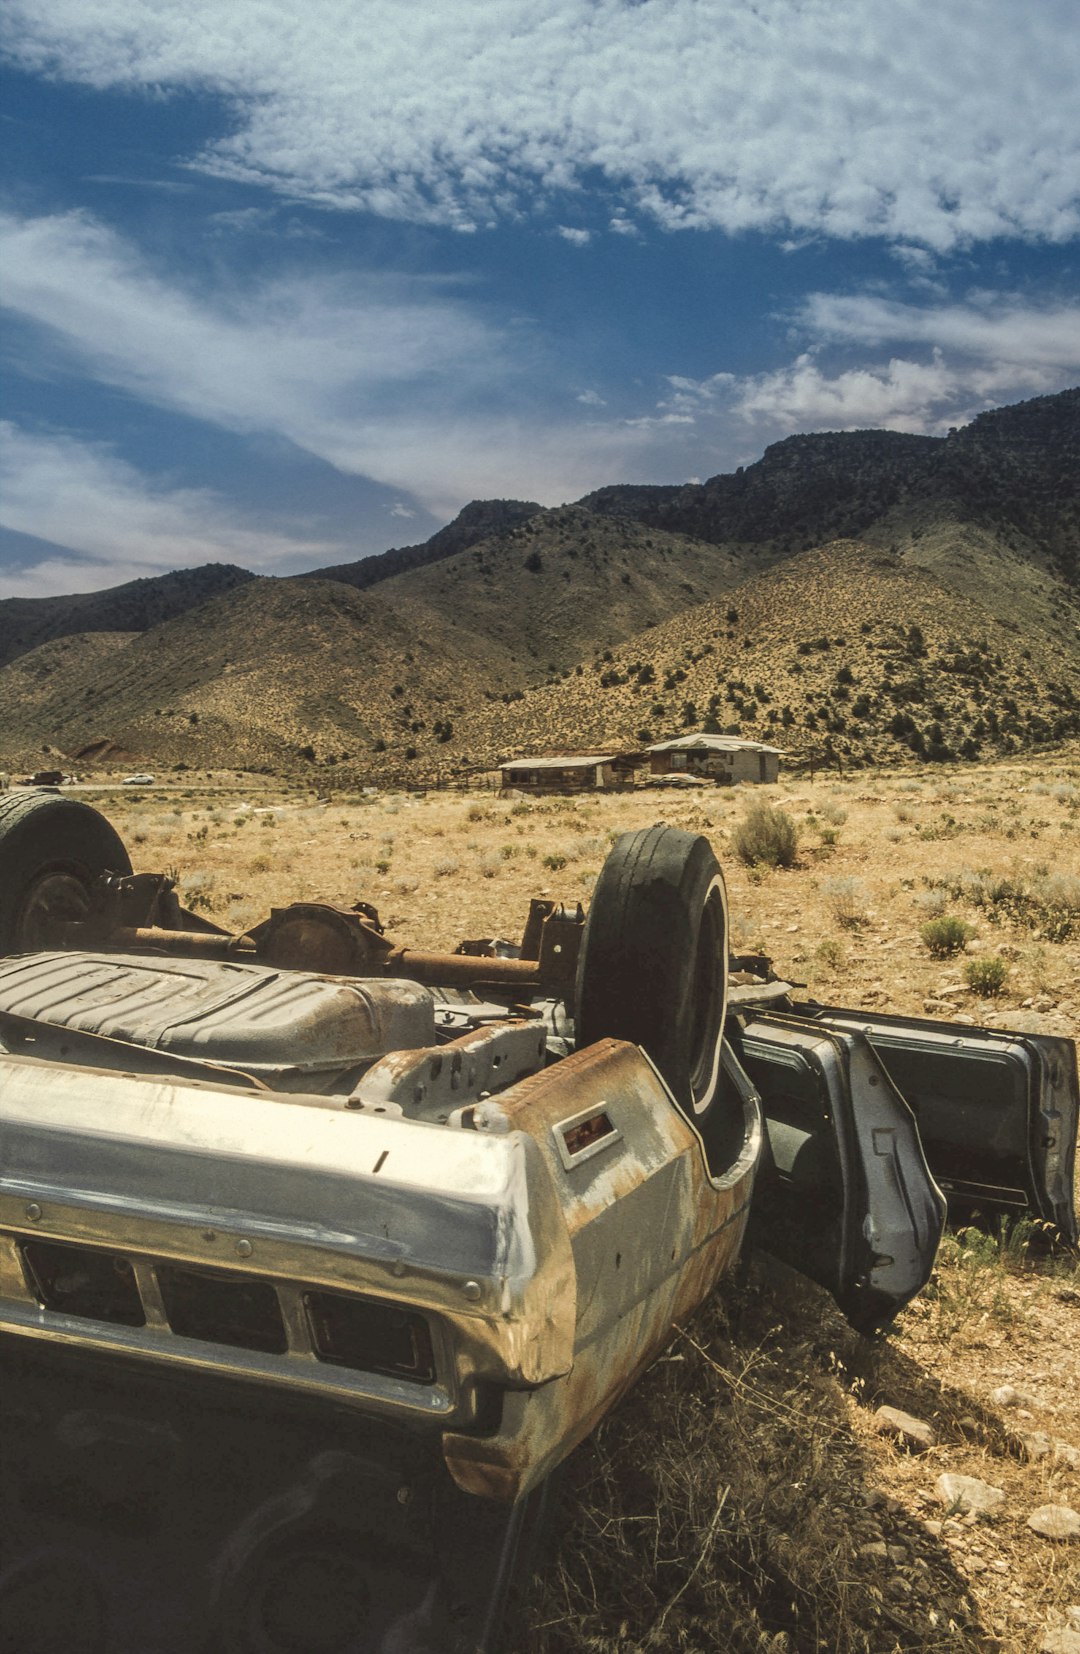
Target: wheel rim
{"points": [[708, 999], [53, 900]]}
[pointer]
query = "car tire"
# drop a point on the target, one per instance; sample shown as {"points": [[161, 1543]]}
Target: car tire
{"points": [[51, 850], [653, 962]]}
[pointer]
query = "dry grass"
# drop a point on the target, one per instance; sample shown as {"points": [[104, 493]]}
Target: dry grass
{"points": [[725, 1504]]}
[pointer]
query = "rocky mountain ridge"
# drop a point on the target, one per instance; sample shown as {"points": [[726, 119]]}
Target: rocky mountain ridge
{"points": [[521, 629]]}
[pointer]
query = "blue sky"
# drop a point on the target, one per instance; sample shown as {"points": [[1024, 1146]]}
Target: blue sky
{"points": [[284, 287]]}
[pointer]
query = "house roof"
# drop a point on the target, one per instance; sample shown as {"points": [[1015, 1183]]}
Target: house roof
{"points": [[573, 761], [711, 743]]}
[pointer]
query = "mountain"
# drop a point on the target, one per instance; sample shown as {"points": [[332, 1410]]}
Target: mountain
{"points": [[946, 624], [549, 590], [26, 622], [476, 521], [414, 665], [274, 672], [844, 651], [1013, 469]]}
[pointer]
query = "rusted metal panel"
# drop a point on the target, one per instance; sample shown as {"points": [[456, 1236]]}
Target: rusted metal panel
{"points": [[652, 1231]]}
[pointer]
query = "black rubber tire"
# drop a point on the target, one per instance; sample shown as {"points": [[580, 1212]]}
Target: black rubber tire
{"points": [[48, 839], [653, 962]]}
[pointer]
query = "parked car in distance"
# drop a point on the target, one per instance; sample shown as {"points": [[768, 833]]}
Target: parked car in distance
{"points": [[138, 781]]}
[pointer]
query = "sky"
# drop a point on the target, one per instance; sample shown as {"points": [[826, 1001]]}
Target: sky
{"points": [[284, 286]]}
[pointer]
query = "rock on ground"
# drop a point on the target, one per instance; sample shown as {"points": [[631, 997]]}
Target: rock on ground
{"points": [[969, 1493], [1055, 1522], [909, 1431]]}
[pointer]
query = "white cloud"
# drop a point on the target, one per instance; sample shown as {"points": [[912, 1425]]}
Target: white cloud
{"points": [[245, 358], [928, 124], [319, 361], [400, 509], [898, 396], [81, 496], [591, 399], [580, 238], [944, 364], [399, 381], [1003, 332]]}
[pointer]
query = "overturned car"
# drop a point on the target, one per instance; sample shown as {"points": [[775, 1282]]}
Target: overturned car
{"points": [[319, 1253]]}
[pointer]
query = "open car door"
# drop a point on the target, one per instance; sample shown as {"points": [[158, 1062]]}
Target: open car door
{"points": [[996, 1110], [843, 1193]]}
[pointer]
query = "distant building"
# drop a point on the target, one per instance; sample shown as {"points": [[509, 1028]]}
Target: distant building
{"points": [[721, 758], [567, 773]]}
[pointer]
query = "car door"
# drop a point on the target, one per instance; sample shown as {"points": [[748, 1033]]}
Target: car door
{"points": [[844, 1193], [996, 1110]]}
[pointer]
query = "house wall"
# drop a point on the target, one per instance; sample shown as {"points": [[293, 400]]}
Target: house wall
{"points": [[571, 780], [724, 767]]}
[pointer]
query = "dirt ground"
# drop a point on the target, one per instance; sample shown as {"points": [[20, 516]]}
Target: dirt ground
{"points": [[742, 1497]]}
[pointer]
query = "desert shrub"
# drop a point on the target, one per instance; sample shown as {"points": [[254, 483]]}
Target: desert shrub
{"points": [[555, 861], [830, 953], [945, 935], [199, 892], [986, 977], [766, 836], [1045, 902], [847, 900], [445, 867]]}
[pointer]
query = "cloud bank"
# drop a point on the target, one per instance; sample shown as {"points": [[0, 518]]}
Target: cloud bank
{"points": [[928, 124], [955, 360], [83, 496]]}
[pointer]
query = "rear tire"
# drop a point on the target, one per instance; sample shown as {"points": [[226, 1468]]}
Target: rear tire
{"points": [[51, 850], [653, 964]]}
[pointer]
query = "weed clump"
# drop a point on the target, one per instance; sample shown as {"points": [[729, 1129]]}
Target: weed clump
{"points": [[946, 935], [968, 1286], [847, 900], [766, 836], [986, 977]]}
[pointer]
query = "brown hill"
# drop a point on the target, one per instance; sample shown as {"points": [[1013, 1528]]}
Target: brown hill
{"points": [[553, 588], [844, 650], [476, 521], [278, 668], [275, 672], [26, 622], [949, 626]]}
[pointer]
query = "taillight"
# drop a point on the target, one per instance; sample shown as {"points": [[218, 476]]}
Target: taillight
{"points": [[80, 1280], [222, 1309], [371, 1336]]}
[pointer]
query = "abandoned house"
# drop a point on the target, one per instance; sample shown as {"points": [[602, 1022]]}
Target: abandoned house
{"points": [[567, 773], [721, 758]]}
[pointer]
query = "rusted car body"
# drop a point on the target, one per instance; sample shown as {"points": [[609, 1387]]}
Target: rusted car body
{"points": [[319, 1254]]}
